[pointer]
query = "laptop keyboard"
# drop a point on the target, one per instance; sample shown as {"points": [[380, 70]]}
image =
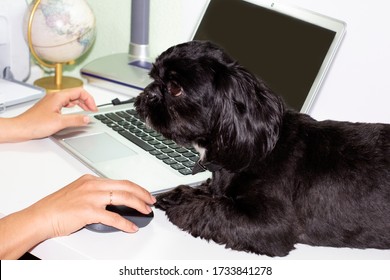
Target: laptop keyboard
{"points": [[128, 124]]}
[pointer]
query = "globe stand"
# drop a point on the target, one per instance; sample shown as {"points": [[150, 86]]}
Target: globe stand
{"points": [[58, 82]]}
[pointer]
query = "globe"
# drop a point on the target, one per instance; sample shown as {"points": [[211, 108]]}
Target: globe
{"points": [[59, 31]]}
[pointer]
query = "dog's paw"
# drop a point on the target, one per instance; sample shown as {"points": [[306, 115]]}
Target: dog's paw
{"points": [[174, 197]]}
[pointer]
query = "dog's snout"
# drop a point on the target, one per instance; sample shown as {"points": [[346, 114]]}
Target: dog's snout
{"points": [[151, 93]]}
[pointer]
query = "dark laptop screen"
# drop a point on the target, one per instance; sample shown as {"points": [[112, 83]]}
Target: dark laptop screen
{"points": [[286, 52]]}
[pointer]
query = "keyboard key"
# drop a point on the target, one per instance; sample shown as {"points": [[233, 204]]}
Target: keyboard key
{"points": [[169, 161], [155, 152], [113, 117], [106, 121], [140, 125], [167, 150], [122, 114], [194, 158], [136, 140], [188, 154], [185, 171], [168, 142], [162, 156], [134, 121], [181, 150], [147, 138], [140, 134], [189, 164], [177, 166], [160, 146], [149, 130], [99, 117], [181, 159], [154, 142], [132, 112], [175, 146], [155, 134], [134, 130], [173, 154]]}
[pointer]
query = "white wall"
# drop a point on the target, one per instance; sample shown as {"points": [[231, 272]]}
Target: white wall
{"points": [[171, 22]]}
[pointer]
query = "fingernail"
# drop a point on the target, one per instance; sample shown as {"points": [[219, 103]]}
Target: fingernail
{"points": [[135, 228], [86, 119], [153, 199], [148, 208]]}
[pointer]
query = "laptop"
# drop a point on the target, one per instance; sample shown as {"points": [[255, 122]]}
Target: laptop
{"points": [[290, 48]]}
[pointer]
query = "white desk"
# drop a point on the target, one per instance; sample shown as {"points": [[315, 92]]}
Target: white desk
{"points": [[357, 88]]}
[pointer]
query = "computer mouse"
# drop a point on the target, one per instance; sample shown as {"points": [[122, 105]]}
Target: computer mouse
{"points": [[141, 220]]}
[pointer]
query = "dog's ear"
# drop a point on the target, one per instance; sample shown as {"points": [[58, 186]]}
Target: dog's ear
{"points": [[246, 117]]}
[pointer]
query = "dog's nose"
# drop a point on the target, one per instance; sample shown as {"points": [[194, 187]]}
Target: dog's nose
{"points": [[151, 95]]}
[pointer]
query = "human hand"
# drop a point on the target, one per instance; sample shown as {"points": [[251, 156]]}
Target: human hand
{"points": [[45, 118], [84, 201]]}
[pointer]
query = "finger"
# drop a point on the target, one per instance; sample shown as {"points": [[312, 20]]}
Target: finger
{"points": [[128, 199], [74, 120], [115, 220], [130, 187], [118, 192], [85, 100], [79, 103]]}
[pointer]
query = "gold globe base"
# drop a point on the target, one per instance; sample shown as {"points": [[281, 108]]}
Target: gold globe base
{"points": [[49, 83]]}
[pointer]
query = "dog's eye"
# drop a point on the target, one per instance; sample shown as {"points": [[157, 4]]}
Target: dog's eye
{"points": [[174, 89]]}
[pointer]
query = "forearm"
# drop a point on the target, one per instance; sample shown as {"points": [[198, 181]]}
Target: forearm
{"points": [[11, 130], [21, 231]]}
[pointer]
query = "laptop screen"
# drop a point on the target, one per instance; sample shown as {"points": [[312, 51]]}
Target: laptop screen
{"points": [[289, 53]]}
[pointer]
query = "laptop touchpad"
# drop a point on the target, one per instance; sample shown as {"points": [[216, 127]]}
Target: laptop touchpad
{"points": [[99, 147]]}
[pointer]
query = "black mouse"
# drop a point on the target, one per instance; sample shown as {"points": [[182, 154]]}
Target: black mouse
{"points": [[139, 219]]}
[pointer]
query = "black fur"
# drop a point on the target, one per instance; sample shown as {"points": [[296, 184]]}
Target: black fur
{"points": [[285, 179]]}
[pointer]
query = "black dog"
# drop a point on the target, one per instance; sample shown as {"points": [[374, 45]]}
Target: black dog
{"points": [[279, 177]]}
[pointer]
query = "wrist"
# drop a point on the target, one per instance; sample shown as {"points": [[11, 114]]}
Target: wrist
{"points": [[41, 218], [9, 130], [15, 129], [20, 232]]}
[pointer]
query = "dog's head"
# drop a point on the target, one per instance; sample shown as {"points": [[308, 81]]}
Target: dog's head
{"points": [[200, 96]]}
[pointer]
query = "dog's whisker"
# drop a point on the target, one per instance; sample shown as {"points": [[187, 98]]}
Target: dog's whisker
{"points": [[200, 150], [148, 123]]}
